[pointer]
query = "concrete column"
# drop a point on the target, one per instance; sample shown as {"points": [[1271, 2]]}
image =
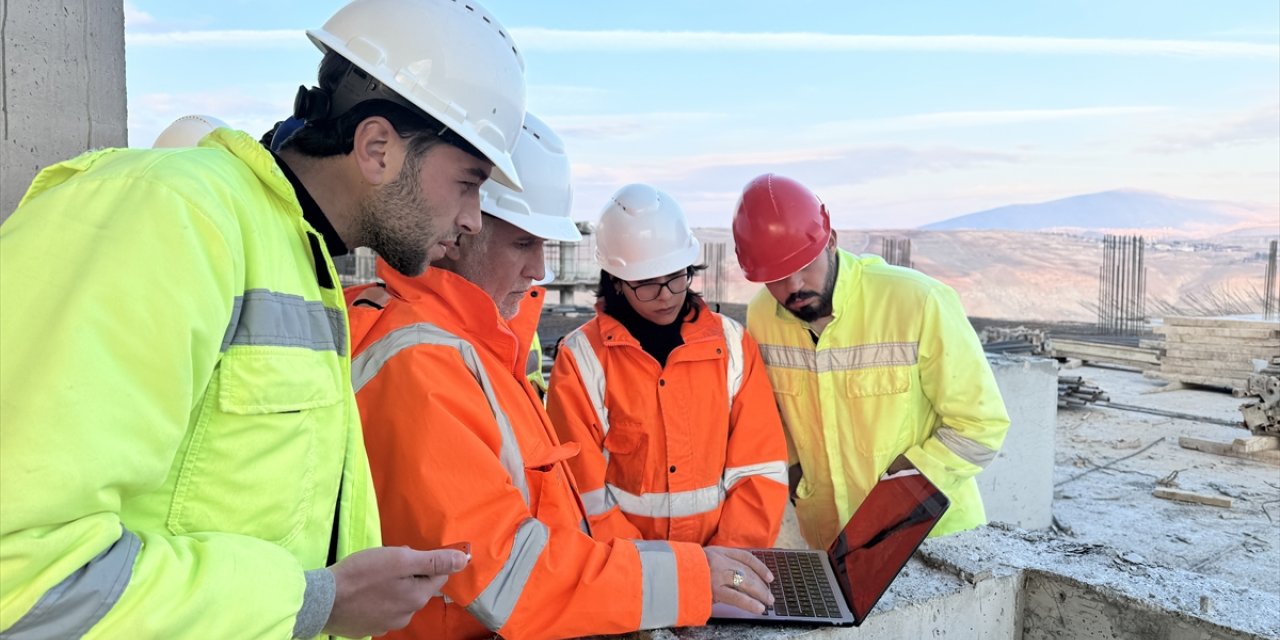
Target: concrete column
{"points": [[62, 83], [1017, 488]]}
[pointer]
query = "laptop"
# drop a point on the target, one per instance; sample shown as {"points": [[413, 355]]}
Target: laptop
{"points": [[842, 585]]}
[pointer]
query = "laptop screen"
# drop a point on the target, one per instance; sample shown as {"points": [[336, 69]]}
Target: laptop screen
{"points": [[878, 540]]}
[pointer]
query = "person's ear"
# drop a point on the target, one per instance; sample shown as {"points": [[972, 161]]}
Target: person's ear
{"points": [[378, 150], [831, 243]]}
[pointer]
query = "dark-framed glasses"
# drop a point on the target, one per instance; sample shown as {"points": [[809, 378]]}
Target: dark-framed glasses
{"points": [[651, 290]]}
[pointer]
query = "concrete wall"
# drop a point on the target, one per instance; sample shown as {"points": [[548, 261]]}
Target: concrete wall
{"points": [[62, 81], [1017, 488]]}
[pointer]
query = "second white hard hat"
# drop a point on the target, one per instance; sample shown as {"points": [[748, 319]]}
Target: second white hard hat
{"points": [[451, 59], [187, 131], [542, 208], [643, 234]]}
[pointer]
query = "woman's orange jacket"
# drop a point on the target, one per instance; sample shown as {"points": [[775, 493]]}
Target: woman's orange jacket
{"points": [[691, 452]]}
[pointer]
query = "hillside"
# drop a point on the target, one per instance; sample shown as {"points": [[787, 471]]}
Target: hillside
{"points": [[1129, 210], [1030, 276]]}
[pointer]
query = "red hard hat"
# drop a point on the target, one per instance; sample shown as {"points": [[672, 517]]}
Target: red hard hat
{"points": [[779, 228]]}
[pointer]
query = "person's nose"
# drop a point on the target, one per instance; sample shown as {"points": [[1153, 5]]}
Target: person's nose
{"points": [[535, 265], [469, 218]]}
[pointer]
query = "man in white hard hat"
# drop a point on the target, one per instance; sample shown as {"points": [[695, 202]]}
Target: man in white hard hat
{"points": [[462, 449], [182, 452]]}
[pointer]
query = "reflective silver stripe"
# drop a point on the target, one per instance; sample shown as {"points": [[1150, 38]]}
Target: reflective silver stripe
{"points": [[73, 606], [660, 586], [733, 341], [599, 501], [776, 471], [370, 361], [669, 505], [494, 605], [966, 449], [776, 355], [867, 356], [682, 503], [269, 318], [592, 376]]}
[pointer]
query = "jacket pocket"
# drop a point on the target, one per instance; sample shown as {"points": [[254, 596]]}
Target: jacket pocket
{"points": [[881, 392], [551, 499], [628, 447], [250, 464]]}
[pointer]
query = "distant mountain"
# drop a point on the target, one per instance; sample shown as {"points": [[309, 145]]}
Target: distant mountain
{"points": [[1120, 209]]}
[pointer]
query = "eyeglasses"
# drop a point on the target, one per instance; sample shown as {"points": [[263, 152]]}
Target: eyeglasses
{"points": [[651, 291]]}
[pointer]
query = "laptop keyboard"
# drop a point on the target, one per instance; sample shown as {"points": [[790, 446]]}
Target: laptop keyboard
{"points": [[800, 586]]}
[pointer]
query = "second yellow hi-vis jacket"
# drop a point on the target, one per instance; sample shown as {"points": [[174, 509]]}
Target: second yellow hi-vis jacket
{"points": [[898, 371]]}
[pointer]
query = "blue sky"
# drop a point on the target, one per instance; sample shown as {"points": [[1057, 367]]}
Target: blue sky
{"points": [[896, 114]]}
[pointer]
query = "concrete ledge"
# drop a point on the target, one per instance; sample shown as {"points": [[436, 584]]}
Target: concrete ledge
{"points": [[1001, 583]]}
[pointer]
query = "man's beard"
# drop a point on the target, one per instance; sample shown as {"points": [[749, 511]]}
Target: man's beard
{"points": [[824, 307], [398, 223]]}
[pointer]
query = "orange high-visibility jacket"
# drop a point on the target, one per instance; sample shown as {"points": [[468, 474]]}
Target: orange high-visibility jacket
{"points": [[693, 451], [462, 450]]}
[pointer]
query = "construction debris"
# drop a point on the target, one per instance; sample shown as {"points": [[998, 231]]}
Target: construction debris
{"points": [[1014, 340], [1073, 391], [1124, 351], [1215, 352], [1262, 412], [1187, 496], [1257, 448]]}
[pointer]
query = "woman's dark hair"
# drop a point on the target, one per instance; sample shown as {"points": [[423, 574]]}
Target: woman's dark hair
{"points": [[326, 134], [615, 301]]}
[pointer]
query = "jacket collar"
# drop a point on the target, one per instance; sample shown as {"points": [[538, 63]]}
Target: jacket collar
{"points": [[456, 305], [705, 327]]}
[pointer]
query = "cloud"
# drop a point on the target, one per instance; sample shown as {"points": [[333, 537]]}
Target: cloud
{"points": [[221, 38], [242, 108], [1251, 127], [718, 41], [632, 41], [961, 119], [137, 19], [624, 126], [708, 185]]}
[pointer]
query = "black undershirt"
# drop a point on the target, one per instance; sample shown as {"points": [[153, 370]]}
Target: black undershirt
{"points": [[657, 340]]}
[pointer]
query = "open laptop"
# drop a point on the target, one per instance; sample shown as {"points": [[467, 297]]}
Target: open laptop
{"points": [[841, 586]]}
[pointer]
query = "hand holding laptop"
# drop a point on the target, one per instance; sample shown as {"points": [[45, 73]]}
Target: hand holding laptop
{"points": [[750, 592]]}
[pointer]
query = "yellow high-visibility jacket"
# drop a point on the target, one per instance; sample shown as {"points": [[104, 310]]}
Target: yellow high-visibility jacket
{"points": [[899, 370], [178, 424]]}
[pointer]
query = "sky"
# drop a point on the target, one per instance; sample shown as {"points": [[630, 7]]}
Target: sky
{"points": [[896, 114]]}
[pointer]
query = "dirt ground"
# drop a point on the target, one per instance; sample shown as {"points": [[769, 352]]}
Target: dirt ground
{"points": [[1103, 492]]}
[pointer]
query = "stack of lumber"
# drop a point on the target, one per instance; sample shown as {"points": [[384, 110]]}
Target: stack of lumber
{"points": [[1215, 352], [1073, 391], [1124, 351]]}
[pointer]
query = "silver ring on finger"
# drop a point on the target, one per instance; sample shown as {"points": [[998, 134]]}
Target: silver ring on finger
{"points": [[737, 579]]}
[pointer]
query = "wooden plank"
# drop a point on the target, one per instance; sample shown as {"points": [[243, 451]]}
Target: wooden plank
{"points": [[1187, 496], [1091, 351], [1225, 383], [1257, 334], [1221, 322], [1209, 341], [1217, 351], [1207, 367], [1271, 457], [1255, 443]]}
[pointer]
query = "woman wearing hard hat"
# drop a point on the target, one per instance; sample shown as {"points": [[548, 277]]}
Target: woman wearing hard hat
{"points": [[680, 436]]}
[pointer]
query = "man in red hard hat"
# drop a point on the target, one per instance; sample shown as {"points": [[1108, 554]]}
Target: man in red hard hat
{"points": [[875, 367]]}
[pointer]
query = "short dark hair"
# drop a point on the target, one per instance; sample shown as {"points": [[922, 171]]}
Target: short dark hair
{"points": [[614, 300], [334, 134]]}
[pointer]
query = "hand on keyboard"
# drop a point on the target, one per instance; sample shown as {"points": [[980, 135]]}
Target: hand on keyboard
{"points": [[753, 592]]}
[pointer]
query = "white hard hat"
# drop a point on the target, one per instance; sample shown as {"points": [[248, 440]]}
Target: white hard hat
{"points": [[643, 234], [187, 131], [543, 207], [450, 58]]}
